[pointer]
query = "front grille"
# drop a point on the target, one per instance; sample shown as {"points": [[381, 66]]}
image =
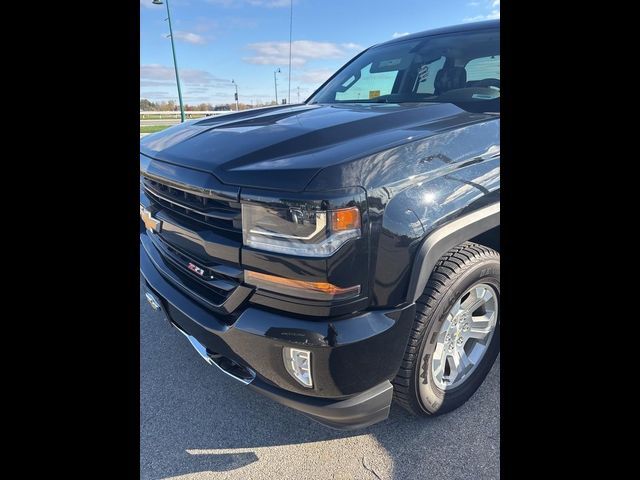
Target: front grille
{"points": [[198, 246], [218, 213], [219, 278], [218, 288]]}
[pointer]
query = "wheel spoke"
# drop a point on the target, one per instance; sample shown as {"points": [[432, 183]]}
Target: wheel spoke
{"points": [[478, 333], [454, 310], [480, 326], [459, 365], [477, 297], [438, 360], [454, 369], [445, 325], [438, 370], [463, 362], [438, 353]]}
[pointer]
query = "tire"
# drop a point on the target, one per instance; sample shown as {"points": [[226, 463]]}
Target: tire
{"points": [[466, 272]]}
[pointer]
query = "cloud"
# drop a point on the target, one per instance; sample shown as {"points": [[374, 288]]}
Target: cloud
{"points": [[314, 76], [158, 82], [272, 60], [194, 90], [277, 53], [254, 3], [157, 75], [159, 95], [270, 3], [493, 15], [224, 3], [190, 37], [215, 99], [398, 35]]}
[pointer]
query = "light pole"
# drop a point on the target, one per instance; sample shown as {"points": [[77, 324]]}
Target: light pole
{"points": [[290, 37], [275, 82], [175, 62], [236, 85]]}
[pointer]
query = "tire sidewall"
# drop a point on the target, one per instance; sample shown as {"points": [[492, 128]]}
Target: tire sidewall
{"points": [[436, 399]]}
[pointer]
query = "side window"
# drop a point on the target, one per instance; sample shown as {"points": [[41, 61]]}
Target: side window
{"points": [[427, 76], [485, 67], [369, 85]]}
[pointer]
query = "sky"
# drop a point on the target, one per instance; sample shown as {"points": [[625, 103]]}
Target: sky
{"points": [[218, 41]]}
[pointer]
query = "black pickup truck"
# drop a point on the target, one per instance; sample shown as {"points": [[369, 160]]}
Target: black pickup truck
{"points": [[341, 253]]}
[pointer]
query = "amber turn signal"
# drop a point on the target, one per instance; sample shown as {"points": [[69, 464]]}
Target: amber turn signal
{"points": [[300, 288], [345, 219]]}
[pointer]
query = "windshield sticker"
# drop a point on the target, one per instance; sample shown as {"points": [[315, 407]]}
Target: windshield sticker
{"points": [[374, 93], [423, 73], [482, 96]]}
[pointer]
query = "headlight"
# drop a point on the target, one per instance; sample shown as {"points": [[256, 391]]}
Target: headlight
{"points": [[299, 230]]}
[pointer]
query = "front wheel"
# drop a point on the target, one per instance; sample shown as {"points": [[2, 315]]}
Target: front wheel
{"points": [[456, 334]]}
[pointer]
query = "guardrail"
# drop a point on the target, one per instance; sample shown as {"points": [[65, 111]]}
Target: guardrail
{"points": [[172, 114]]}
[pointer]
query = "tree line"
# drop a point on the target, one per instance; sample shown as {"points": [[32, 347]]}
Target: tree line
{"points": [[172, 106]]}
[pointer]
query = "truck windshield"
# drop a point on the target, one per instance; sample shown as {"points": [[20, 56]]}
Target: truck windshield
{"points": [[461, 68]]}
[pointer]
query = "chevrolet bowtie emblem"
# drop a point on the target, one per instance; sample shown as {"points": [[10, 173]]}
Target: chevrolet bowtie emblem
{"points": [[150, 222]]}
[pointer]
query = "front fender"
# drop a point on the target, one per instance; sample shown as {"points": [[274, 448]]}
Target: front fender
{"points": [[439, 174], [414, 213], [443, 239]]}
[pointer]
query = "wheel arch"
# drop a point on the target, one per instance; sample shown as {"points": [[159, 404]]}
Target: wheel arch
{"points": [[437, 243]]}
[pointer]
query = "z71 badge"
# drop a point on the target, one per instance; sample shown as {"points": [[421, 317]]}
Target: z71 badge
{"points": [[195, 268]]}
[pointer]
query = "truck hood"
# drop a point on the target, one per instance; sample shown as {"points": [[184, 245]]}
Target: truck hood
{"points": [[284, 147]]}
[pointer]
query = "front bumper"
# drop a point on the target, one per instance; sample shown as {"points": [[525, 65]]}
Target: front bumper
{"points": [[354, 358]]}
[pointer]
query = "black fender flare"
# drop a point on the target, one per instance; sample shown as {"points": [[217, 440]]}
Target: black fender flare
{"points": [[443, 239]]}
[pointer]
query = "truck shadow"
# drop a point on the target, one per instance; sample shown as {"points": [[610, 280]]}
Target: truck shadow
{"points": [[194, 420]]}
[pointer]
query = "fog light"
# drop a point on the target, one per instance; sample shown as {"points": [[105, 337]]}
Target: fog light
{"points": [[298, 364]]}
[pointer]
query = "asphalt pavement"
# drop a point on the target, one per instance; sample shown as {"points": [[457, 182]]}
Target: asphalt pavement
{"points": [[197, 423]]}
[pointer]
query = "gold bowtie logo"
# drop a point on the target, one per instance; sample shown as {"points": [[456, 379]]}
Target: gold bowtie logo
{"points": [[150, 222]]}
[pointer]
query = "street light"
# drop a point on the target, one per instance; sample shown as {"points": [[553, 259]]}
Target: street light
{"points": [[275, 82], [175, 62], [290, 37], [236, 85]]}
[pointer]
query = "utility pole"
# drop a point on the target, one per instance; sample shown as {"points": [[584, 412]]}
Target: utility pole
{"points": [[236, 85], [290, 38], [175, 62], [275, 82]]}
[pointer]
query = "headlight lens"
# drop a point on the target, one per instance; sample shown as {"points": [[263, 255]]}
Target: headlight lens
{"points": [[299, 230]]}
